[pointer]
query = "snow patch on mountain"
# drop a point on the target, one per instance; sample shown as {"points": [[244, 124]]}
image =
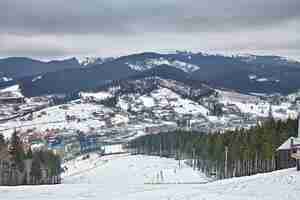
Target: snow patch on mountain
{"points": [[247, 57], [252, 76], [12, 91], [5, 79], [139, 67], [37, 78], [90, 61], [150, 63], [262, 80]]}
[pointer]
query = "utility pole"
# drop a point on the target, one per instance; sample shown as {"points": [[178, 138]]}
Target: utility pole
{"points": [[194, 159], [226, 160], [179, 157], [160, 150]]}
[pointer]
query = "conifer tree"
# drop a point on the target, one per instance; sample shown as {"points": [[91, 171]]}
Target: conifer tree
{"points": [[2, 141], [29, 154], [250, 151], [16, 150]]}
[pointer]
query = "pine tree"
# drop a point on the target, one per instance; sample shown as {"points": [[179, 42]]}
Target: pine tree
{"points": [[16, 150], [36, 171], [29, 154], [14, 143], [2, 141], [250, 151]]}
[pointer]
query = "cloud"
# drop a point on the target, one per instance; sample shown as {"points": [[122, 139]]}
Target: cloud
{"points": [[80, 26], [135, 16]]}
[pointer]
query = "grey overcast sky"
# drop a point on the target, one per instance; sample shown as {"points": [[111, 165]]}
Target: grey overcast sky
{"points": [[62, 28]]}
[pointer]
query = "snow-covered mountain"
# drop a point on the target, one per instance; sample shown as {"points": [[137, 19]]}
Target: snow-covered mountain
{"points": [[246, 73]]}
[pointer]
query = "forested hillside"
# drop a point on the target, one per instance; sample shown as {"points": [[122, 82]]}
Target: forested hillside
{"points": [[248, 151]]}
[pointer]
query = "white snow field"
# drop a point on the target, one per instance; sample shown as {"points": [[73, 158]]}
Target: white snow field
{"points": [[131, 177], [55, 117]]}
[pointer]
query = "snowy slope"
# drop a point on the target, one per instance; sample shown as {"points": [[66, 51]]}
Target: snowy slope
{"points": [[14, 91], [134, 170], [55, 118], [254, 105], [124, 177], [161, 98]]}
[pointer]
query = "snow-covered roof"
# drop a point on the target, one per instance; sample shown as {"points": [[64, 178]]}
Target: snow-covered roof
{"points": [[287, 144]]}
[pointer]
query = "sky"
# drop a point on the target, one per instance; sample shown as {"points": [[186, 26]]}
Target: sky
{"points": [[47, 29]]}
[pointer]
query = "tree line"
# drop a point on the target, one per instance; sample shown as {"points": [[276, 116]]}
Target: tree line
{"points": [[234, 153], [35, 162]]}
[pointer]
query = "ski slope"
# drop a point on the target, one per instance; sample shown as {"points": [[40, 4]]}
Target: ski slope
{"points": [[124, 177]]}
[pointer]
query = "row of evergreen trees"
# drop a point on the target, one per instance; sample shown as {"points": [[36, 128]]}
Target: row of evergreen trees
{"points": [[229, 154], [39, 160]]}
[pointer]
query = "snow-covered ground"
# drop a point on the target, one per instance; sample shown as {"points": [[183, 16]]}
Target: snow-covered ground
{"points": [[135, 111], [127, 177], [253, 105], [161, 98], [55, 118]]}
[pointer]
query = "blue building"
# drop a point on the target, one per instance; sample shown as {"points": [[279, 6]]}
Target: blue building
{"points": [[89, 142]]}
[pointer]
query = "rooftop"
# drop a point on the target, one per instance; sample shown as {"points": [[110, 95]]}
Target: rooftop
{"points": [[287, 144]]}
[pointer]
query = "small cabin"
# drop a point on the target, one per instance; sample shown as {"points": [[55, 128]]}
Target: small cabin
{"points": [[288, 154], [284, 153]]}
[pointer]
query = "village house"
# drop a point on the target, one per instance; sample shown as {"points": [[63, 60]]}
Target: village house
{"points": [[288, 154]]}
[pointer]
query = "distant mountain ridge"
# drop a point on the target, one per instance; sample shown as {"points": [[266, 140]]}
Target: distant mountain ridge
{"points": [[18, 67], [245, 73]]}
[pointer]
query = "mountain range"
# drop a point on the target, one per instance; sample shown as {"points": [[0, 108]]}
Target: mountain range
{"points": [[244, 73]]}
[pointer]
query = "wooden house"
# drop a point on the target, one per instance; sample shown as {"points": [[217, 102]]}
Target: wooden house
{"points": [[288, 153], [284, 153]]}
